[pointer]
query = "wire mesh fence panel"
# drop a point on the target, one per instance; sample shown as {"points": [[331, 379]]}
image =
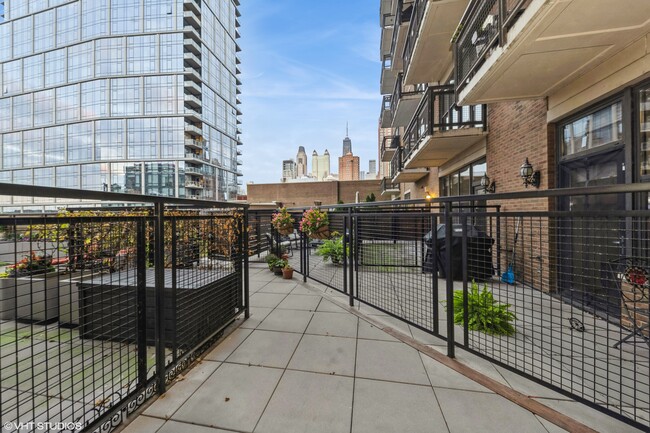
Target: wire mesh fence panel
{"points": [[391, 260], [69, 324], [100, 309], [570, 308], [325, 256]]}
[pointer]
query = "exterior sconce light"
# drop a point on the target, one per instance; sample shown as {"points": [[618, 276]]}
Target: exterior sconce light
{"points": [[488, 185], [529, 176], [317, 203], [279, 204]]}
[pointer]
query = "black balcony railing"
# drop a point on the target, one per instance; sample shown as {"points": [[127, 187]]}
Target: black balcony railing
{"points": [[402, 16], [569, 286], [388, 185], [396, 163], [401, 90], [389, 143], [102, 308], [438, 112], [419, 7], [483, 27]]}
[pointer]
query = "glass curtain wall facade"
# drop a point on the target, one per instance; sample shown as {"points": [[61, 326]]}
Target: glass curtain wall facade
{"points": [[137, 96]]}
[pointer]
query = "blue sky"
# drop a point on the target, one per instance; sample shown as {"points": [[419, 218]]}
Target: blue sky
{"points": [[307, 68]]}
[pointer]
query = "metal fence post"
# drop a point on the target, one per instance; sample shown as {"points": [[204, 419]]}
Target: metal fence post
{"points": [[353, 255], [345, 256], [245, 234], [174, 248], [498, 230], [141, 308], [159, 287], [449, 231], [434, 273], [463, 220]]}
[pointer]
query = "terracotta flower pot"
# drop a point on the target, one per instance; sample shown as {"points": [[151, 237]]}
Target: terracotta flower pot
{"points": [[287, 274]]}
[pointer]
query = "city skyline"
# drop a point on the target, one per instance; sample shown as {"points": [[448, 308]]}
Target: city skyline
{"points": [[303, 84]]}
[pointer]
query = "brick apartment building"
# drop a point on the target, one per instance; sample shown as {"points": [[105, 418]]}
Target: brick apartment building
{"points": [[474, 88]]}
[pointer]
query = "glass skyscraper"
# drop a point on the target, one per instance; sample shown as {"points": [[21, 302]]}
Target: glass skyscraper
{"points": [[136, 96]]}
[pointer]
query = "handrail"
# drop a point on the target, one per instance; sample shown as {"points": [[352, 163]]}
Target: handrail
{"points": [[54, 192], [484, 25], [439, 112], [414, 30]]}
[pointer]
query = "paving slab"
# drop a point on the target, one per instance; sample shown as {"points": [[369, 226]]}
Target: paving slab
{"points": [[228, 345], [268, 300], [266, 348], [334, 324], [182, 427], [444, 377], [233, 398], [144, 424], [320, 354], [467, 411], [258, 314], [368, 331], [166, 405], [309, 402], [287, 320], [395, 407], [300, 302], [386, 360]]}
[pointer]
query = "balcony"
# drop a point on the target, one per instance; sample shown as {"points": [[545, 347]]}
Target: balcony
{"points": [[400, 30], [385, 118], [192, 87], [192, 74], [191, 59], [191, 32], [192, 101], [389, 145], [404, 101], [192, 19], [192, 46], [194, 144], [441, 129], [192, 115], [399, 174], [529, 49], [194, 171], [388, 188], [427, 51], [192, 5], [191, 184], [196, 156], [193, 130], [388, 75], [387, 24]]}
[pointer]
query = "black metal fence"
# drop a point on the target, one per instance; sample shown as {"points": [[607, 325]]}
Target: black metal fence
{"points": [[102, 308], [558, 293]]}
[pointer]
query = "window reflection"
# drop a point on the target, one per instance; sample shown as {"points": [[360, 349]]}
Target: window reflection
{"points": [[160, 179], [109, 139]]}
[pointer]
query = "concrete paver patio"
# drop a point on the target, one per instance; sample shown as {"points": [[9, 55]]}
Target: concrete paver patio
{"points": [[303, 363]]}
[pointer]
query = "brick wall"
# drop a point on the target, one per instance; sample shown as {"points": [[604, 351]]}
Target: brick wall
{"points": [[305, 193], [519, 130]]}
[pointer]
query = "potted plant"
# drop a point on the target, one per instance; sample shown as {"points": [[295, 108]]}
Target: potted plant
{"points": [[315, 224], [270, 260], [287, 272], [278, 265], [332, 249], [282, 221]]}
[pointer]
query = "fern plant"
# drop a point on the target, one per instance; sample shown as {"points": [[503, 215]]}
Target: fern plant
{"points": [[484, 313]]}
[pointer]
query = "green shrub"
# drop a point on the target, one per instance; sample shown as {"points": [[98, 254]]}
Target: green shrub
{"points": [[332, 249], [270, 259], [485, 314]]}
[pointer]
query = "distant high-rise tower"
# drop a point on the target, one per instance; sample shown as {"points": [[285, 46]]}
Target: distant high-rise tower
{"points": [[301, 162], [288, 170], [372, 167], [347, 143], [320, 165], [349, 167]]}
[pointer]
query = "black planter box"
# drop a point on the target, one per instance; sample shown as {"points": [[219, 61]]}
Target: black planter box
{"points": [[204, 301]]}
